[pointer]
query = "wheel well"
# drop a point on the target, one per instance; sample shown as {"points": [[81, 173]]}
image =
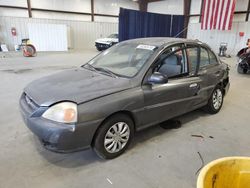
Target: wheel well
{"points": [[128, 113], [223, 84]]}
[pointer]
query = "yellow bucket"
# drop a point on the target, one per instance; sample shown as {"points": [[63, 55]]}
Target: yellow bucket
{"points": [[228, 172]]}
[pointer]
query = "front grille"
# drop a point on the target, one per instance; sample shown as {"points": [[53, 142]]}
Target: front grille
{"points": [[30, 102], [100, 45]]}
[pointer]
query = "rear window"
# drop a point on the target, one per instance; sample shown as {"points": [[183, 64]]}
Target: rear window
{"points": [[204, 58], [212, 57], [192, 53]]}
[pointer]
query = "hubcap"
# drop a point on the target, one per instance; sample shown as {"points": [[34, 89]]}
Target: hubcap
{"points": [[117, 137], [217, 99]]}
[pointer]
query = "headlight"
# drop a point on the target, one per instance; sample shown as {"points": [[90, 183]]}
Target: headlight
{"points": [[64, 112]]}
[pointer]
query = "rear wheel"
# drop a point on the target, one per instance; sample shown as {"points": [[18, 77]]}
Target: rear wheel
{"points": [[114, 136], [98, 49], [242, 69], [29, 50], [215, 101]]}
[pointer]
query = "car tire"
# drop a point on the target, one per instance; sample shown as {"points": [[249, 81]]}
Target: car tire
{"points": [[215, 101], [241, 70], [98, 49], [114, 136]]}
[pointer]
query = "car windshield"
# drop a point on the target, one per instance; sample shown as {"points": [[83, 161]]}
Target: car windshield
{"points": [[124, 60], [113, 36]]}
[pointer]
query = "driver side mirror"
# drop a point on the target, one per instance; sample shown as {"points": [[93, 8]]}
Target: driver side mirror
{"points": [[158, 78]]}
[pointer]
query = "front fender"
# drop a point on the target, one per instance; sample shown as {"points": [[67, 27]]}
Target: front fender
{"points": [[130, 100]]}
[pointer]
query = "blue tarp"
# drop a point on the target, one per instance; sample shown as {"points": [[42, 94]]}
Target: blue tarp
{"points": [[137, 24]]}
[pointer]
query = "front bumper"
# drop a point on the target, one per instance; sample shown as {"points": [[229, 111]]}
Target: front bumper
{"points": [[226, 88], [226, 84], [55, 136]]}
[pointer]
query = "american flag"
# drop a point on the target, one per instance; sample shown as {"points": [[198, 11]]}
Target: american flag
{"points": [[217, 14]]}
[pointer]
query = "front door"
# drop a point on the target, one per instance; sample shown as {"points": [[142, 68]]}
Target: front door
{"points": [[165, 101]]}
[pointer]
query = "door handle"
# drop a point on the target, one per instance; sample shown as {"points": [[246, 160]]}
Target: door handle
{"points": [[194, 85], [218, 73]]}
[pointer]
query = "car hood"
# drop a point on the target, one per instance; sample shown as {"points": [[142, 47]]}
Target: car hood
{"points": [[106, 40], [77, 85]]}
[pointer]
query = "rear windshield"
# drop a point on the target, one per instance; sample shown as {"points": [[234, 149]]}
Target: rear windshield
{"points": [[113, 36]]}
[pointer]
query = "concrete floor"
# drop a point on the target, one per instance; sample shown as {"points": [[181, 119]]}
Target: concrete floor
{"points": [[157, 157]]}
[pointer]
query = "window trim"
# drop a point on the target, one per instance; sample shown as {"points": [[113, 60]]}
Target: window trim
{"points": [[148, 73], [209, 65], [182, 48], [209, 50], [193, 45]]}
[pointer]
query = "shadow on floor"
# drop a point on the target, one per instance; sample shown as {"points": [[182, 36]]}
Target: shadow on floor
{"points": [[88, 157]]}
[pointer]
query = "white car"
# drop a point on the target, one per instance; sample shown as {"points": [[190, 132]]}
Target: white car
{"points": [[105, 43]]}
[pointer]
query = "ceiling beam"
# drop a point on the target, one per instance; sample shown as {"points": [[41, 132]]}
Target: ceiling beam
{"points": [[92, 11], [29, 9], [248, 11], [187, 6], [202, 3], [151, 1], [143, 5], [15, 7]]}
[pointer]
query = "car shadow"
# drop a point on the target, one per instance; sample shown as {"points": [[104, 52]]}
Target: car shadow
{"points": [[164, 127], [68, 160], [88, 157]]}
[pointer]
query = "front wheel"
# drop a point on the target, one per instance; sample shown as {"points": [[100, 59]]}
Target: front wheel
{"points": [[215, 101], [114, 136]]}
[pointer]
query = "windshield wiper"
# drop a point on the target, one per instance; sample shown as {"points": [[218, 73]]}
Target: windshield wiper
{"points": [[90, 66], [102, 69]]}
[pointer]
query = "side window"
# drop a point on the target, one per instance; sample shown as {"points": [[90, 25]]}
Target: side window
{"points": [[212, 58], [192, 54], [172, 62], [204, 58]]}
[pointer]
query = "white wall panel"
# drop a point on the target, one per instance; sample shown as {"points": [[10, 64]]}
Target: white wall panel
{"points": [[195, 7], [241, 5], [5, 30], [19, 3], [112, 6], [67, 5], [167, 7], [60, 16], [83, 34], [239, 17], [13, 12], [195, 19], [106, 19], [215, 37], [48, 37]]}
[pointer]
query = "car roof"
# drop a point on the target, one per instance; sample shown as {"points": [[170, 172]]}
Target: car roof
{"points": [[159, 41]]}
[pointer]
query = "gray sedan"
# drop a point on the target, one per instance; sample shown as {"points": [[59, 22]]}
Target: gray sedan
{"points": [[129, 87]]}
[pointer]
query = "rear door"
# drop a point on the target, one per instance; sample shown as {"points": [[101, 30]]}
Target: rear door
{"points": [[209, 71]]}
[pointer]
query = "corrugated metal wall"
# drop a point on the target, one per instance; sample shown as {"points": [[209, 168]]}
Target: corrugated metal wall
{"points": [[48, 37], [214, 37], [83, 34]]}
